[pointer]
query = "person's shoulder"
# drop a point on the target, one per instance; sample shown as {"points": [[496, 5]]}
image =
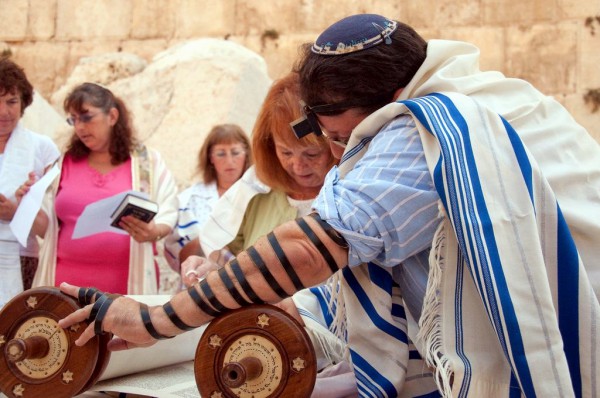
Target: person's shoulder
{"points": [[41, 142], [250, 179], [200, 189]]}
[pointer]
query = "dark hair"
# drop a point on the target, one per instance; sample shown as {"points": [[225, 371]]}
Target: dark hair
{"points": [[14, 81], [122, 140], [221, 134], [280, 107], [366, 78]]}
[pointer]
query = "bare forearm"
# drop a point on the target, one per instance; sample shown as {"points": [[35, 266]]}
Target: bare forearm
{"points": [[307, 261], [296, 255], [40, 224]]}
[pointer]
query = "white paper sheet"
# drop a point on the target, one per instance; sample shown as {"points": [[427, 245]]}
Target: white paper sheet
{"points": [[96, 217], [30, 206]]}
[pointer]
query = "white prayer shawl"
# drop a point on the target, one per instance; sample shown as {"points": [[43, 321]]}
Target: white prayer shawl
{"points": [[25, 152], [226, 216], [150, 175], [567, 154], [510, 308]]}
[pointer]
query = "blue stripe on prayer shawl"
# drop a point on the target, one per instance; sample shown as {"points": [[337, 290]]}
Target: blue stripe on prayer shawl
{"points": [[522, 157], [381, 277], [414, 354], [188, 224], [356, 149], [322, 295], [369, 381], [398, 311], [448, 129], [568, 300], [369, 309], [460, 275], [515, 390]]}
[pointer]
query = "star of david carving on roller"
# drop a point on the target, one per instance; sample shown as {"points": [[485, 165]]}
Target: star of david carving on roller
{"points": [[19, 390], [32, 302], [215, 341], [263, 320], [67, 376], [298, 364]]}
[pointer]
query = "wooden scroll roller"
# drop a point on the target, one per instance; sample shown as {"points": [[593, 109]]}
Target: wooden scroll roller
{"points": [[258, 351], [255, 352], [39, 358]]}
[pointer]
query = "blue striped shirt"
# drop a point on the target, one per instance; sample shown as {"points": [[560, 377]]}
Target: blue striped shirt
{"points": [[387, 207]]}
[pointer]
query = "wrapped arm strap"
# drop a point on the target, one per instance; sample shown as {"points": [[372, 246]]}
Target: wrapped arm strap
{"points": [[318, 244]]}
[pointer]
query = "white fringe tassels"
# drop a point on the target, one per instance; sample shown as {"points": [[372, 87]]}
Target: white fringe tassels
{"points": [[430, 323]]}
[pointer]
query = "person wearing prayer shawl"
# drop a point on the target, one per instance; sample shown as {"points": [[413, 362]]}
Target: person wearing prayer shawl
{"points": [[24, 157], [461, 227]]}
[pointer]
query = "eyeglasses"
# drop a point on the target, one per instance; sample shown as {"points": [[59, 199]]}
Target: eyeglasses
{"points": [[83, 118], [234, 153]]}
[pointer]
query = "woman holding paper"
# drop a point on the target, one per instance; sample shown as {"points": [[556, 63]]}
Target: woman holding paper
{"points": [[23, 155], [104, 159]]}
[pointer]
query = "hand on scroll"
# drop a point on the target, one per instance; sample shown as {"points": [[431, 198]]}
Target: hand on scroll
{"points": [[122, 319]]}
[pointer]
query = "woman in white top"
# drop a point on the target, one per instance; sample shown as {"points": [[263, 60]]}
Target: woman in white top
{"points": [[224, 156], [23, 155]]}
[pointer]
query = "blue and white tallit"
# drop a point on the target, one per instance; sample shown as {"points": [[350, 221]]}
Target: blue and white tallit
{"points": [[511, 306], [510, 310]]}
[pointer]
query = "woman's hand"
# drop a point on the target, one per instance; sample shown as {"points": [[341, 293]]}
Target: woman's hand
{"points": [[289, 306], [195, 268], [139, 230], [23, 189], [8, 208], [123, 319]]}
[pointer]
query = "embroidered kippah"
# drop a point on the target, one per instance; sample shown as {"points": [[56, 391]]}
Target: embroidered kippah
{"points": [[355, 33]]}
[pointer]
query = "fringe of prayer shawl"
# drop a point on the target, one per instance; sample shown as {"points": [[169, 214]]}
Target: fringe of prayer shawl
{"points": [[430, 323]]}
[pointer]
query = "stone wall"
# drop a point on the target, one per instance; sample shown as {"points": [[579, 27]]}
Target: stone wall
{"points": [[552, 43]]}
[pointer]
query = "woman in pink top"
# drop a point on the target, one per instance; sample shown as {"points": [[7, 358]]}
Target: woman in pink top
{"points": [[104, 159]]}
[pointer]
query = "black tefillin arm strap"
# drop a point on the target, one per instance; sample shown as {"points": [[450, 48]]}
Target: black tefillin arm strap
{"points": [[210, 304]]}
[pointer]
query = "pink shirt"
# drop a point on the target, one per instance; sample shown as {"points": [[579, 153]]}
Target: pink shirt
{"points": [[100, 260]]}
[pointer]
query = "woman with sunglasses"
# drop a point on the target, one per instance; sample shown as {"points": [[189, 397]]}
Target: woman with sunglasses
{"points": [[224, 156], [103, 158]]}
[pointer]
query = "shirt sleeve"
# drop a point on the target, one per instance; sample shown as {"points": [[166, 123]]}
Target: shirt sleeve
{"points": [[386, 207]]}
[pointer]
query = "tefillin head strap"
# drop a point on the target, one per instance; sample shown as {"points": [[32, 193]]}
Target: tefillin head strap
{"points": [[318, 244], [285, 263], [271, 281]]}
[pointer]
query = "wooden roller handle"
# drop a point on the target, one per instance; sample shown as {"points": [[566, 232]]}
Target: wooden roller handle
{"points": [[234, 374], [30, 348]]}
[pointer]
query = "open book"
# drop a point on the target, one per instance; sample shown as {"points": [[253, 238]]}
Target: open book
{"points": [[136, 206]]}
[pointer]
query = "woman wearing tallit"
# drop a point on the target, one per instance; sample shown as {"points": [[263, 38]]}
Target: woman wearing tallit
{"points": [[21, 152], [460, 226]]}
